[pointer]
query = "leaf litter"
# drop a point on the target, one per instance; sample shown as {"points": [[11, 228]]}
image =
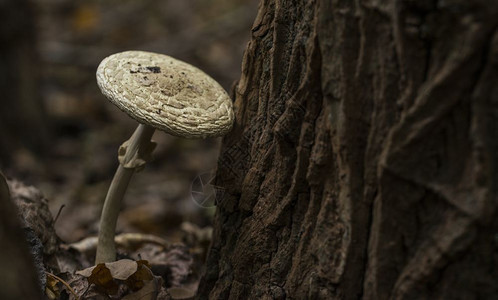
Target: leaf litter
{"points": [[149, 267]]}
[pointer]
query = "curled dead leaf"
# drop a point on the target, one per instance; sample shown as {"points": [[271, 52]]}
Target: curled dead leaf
{"points": [[140, 277], [136, 275], [102, 278]]}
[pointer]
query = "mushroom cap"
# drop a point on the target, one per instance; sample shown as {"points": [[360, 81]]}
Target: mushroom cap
{"points": [[165, 93]]}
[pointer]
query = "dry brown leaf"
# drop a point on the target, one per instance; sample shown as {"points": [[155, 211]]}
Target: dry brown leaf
{"points": [[181, 293], [140, 277], [51, 289], [86, 272], [102, 278], [173, 264], [122, 269], [129, 241], [108, 277], [148, 292]]}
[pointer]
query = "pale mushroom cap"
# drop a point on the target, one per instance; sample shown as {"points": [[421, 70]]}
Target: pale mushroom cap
{"points": [[166, 93]]}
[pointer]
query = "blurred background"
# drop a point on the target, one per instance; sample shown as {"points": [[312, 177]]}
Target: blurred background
{"points": [[57, 131]]}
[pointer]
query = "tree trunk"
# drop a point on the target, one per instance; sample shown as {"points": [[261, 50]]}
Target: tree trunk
{"points": [[364, 159], [22, 121]]}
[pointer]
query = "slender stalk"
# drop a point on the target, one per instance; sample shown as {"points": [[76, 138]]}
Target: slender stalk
{"points": [[106, 249]]}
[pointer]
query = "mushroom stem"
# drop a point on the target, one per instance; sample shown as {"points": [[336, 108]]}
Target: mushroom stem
{"points": [[137, 149]]}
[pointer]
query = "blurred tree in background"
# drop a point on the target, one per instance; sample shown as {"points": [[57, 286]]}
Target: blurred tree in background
{"points": [[23, 122]]}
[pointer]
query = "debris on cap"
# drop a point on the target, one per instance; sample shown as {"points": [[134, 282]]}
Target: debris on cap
{"points": [[167, 94]]}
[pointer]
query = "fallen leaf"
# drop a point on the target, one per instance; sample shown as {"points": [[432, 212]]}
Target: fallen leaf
{"points": [[143, 274], [148, 292], [181, 293], [125, 273], [128, 241], [102, 278], [173, 264], [51, 289], [86, 272], [122, 269], [50, 294]]}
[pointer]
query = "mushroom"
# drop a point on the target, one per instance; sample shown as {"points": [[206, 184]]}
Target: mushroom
{"points": [[163, 93]]}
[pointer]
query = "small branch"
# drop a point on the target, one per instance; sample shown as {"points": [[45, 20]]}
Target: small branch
{"points": [[64, 283], [59, 213]]}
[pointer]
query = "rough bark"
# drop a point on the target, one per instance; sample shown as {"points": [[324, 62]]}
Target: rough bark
{"points": [[22, 121], [18, 278], [364, 159]]}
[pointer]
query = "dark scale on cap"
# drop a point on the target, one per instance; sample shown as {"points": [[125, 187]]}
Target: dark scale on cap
{"points": [[154, 69]]}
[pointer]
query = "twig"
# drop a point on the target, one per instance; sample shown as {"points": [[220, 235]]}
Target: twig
{"points": [[64, 283], [59, 213]]}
